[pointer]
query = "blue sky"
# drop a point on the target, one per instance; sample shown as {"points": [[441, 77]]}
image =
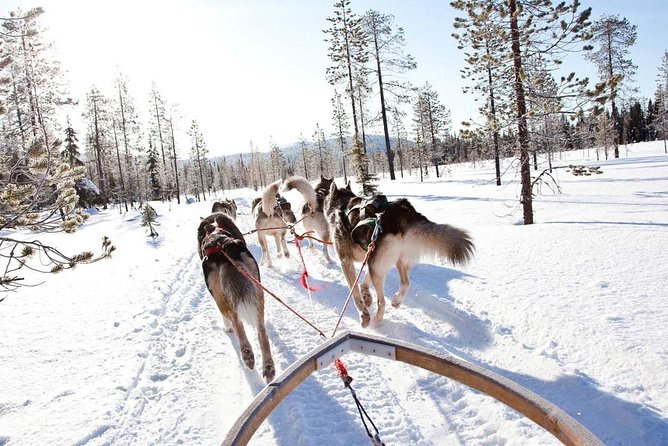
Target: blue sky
{"points": [[254, 70]]}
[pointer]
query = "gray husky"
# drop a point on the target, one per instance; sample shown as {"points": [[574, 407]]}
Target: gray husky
{"points": [[226, 206], [406, 237], [236, 296], [313, 216], [272, 213]]}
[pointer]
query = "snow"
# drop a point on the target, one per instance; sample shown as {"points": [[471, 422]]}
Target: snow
{"points": [[132, 351]]}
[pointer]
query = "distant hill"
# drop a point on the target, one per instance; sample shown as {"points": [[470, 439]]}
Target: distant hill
{"points": [[374, 143]]}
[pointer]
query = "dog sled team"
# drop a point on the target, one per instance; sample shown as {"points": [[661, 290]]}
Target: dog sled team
{"points": [[400, 235]]}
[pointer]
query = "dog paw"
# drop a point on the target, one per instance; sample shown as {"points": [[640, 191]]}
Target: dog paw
{"points": [[286, 254], [269, 372], [396, 302], [366, 296], [248, 357], [379, 315], [364, 319]]}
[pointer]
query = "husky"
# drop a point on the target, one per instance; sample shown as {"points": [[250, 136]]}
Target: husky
{"points": [[404, 236], [313, 216], [226, 206], [237, 297], [272, 213]]}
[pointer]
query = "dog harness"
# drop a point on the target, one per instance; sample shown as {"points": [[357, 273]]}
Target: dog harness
{"points": [[220, 243], [368, 228]]}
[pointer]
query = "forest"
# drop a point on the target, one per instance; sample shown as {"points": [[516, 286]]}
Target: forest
{"points": [[530, 104]]}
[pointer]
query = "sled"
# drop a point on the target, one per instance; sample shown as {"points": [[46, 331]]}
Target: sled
{"points": [[539, 410]]}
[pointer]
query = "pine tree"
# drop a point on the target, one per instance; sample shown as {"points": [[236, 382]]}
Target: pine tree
{"points": [[535, 27], [125, 117], [71, 149], [614, 37], [341, 129], [97, 114], [198, 152], [37, 190], [149, 217], [660, 121], [348, 52], [152, 165], [305, 155], [387, 49], [174, 158], [484, 37], [433, 121]]}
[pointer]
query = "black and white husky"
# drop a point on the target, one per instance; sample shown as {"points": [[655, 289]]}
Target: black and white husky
{"points": [[237, 297], [407, 236], [272, 213], [313, 216]]}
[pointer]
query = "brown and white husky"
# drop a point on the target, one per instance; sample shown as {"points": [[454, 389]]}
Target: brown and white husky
{"points": [[237, 297], [272, 213], [313, 216], [407, 236]]}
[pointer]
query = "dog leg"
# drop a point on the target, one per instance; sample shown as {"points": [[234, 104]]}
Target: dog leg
{"points": [[325, 252], [227, 325], [244, 346], [262, 239], [378, 280], [366, 294], [349, 273], [398, 298], [268, 369], [284, 244]]}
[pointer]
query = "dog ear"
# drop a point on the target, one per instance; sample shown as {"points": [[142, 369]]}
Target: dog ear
{"points": [[202, 219], [348, 186], [332, 187]]}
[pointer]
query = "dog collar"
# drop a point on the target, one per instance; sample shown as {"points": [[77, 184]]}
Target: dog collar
{"points": [[211, 250]]}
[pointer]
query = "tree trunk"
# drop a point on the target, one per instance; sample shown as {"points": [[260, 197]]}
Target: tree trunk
{"points": [[383, 112], [176, 172], [522, 131], [495, 131]]}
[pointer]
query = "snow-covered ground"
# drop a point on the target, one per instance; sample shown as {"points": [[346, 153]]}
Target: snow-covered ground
{"points": [[132, 351]]}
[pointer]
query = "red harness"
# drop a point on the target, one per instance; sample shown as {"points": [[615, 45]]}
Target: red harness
{"points": [[215, 249]]}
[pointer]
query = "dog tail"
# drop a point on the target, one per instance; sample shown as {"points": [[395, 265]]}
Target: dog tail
{"points": [[304, 187], [440, 240], [269, 197]]}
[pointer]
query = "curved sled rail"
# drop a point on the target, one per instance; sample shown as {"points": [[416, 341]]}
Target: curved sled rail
{"points": [[524, 401]]}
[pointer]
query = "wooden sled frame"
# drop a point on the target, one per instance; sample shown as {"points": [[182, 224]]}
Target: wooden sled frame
{"points": [[542, 412]]}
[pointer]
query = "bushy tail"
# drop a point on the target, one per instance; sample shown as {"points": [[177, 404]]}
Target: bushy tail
{"points": [[304, 187], [438, 240], [269, 197]]}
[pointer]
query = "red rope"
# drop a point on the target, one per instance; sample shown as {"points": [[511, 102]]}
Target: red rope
{"points": [[246, 274], [304, 275]]}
